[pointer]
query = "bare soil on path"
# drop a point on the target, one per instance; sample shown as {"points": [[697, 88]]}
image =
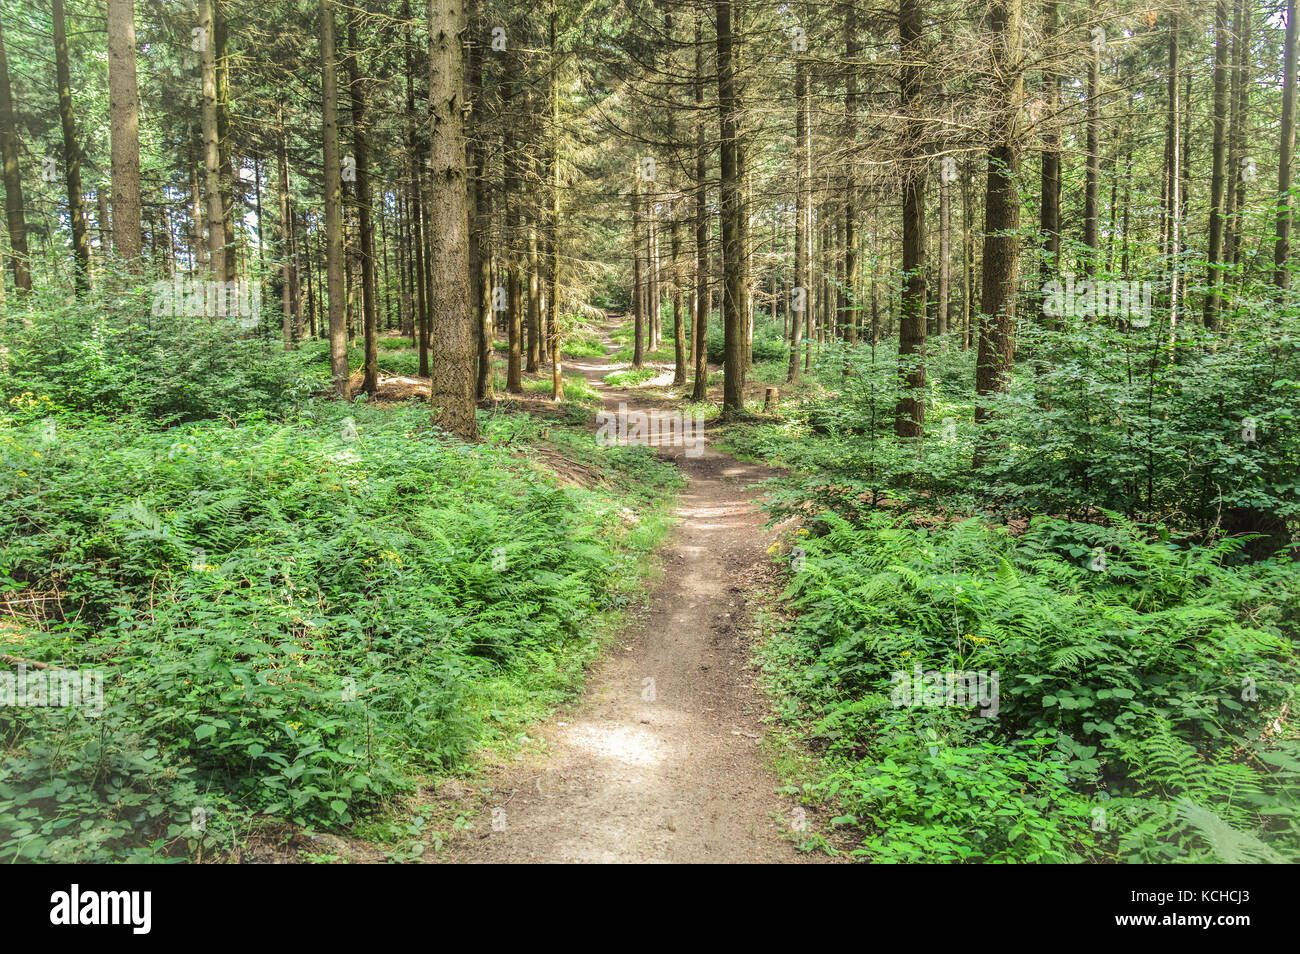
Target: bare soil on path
{"points": [[660, 760]]}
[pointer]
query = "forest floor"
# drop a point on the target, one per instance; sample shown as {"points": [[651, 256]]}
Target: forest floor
{"points": [[671, 770]]}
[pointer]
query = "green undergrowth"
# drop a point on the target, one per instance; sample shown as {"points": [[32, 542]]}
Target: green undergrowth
{"points": [[1135, 715], [1120, 562], [293, 618]]}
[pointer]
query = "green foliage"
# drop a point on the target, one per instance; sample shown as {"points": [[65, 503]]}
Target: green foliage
{"points": [[110, 354], [1150, 682], [292, 617], [1113, 421]]}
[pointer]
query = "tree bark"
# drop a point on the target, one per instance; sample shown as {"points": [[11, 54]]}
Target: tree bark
{"points": [[1049, 215], [735, 296], [333, 202], [215, 205], [124, 127], [699, 328], [1001, 214], [802, 211], [1092, 183], [365, 229], [909, 418], [1285, 153], [451, 344], [1219, 149], [72, 156], [20, 257]]}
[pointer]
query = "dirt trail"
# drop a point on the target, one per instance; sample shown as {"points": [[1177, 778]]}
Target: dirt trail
{"points": [[675, 775]]}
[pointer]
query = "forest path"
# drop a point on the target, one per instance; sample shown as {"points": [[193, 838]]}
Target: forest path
{"points": [[678, 777]]}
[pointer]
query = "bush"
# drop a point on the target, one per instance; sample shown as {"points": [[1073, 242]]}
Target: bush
{"points": [[110, 355]]}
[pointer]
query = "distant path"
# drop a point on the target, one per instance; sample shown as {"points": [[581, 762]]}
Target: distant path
{"points": [[679, 778]]}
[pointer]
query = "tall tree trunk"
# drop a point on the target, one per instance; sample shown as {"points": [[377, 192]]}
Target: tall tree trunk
{"points": [[287, 276], [640, 299], [513, 198], [478, 186], [652, 268], [997, 338], [451, 387], [333, 199], [227, 181], [967, 253], [909, 418], [534, 301], [735, 294], [19, 258], [215, 205], [365, 229], [72, 156], [1049, 207], [1285, 153], [679, 319], [1092, 185], [415, 205], [124, 126], [1174, 177], [557, 376], [1219, 148], [851, 50], [1238, 95], [802, 297], [700, 323]]}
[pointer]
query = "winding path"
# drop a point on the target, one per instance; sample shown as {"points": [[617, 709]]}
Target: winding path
{"points": [[675, 775]]}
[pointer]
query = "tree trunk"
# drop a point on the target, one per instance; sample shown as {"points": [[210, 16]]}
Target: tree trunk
{"points": [[1001, 214], [640, 307], [1092, 184], [802, 297], [227, 181], [1219, 158], [909, 418], [215, 206], [557, 376], [1174, 178], [1285, 152], [1239, 96], [679, 319], [477, 186], [735, 305], [20, 258], [513, 198], [365, 230], [1049, 215], [534, 302], [451, 386], [699, 328], [72, 156], [333, 200], [851, 49], [124, 126], [287, 277]]}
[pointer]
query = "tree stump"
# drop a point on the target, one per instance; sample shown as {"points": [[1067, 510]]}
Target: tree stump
{"points": [[769, 399]]}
